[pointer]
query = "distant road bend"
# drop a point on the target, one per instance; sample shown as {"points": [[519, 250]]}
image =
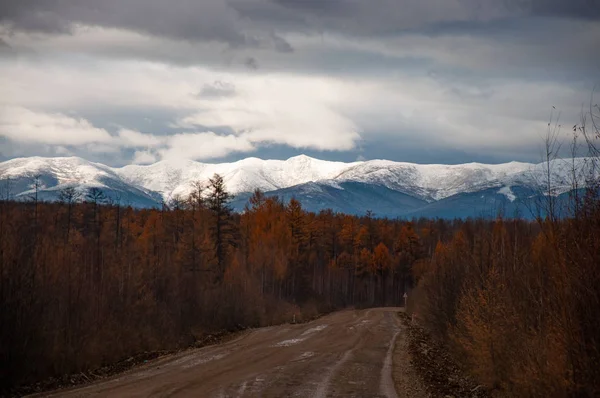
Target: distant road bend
{"points": [[352, 353]]}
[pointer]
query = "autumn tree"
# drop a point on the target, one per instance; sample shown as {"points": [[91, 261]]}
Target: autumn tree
{"points": [[268, 241], [382, 263], [408, 249], [298, 234]]}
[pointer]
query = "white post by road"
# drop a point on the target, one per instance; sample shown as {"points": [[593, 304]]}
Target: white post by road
{"points": [[405, 298]]}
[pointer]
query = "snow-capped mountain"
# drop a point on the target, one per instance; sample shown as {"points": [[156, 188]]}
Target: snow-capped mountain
{"points": [[175, 178], [19, 176], [386, 187]]}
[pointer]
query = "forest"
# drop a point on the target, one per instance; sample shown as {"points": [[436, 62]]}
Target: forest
{"points": [[85, 282]]}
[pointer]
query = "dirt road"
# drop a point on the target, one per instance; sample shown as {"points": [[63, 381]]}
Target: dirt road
{"points": [[345, 354]]}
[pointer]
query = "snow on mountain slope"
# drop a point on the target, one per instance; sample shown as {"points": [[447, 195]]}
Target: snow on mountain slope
{"points": [[54, 174], [562, 174], [57, 172], [171, 178], [167, 179], [71, 169], [435, 182]]}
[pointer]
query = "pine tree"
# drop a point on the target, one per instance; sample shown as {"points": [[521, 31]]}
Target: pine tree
{"points": [[222, 227]]}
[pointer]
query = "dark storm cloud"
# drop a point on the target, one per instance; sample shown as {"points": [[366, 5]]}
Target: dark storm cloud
{"points": [[586, 9], [327, 7], [262, 24], [179, 19], [237, 21], [445, 71], [344, 8], [281, 45], [33, 15], [353, 17], [251, 63], [359, 17]]}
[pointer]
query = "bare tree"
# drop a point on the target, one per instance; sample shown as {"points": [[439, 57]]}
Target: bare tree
{"points": [[195, 202], [543, 205], [552, 147], [96, 196], [69, 196], [5, 188], [196, 199], [575, 198]]}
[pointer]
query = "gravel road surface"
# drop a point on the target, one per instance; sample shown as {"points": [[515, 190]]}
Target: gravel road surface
{"points": [[352, 353]]}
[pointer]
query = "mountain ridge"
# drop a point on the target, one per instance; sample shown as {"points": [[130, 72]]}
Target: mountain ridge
{"points": [[316, 181]]}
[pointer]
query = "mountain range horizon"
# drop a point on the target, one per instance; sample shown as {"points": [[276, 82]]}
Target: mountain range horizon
{"points": [[388, 188]]}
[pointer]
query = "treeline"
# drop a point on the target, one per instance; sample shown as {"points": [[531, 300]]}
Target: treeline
{"points": [[519, 302], [85, 283]]}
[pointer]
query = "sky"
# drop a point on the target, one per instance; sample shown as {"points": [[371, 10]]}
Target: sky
{"points": [[425, 81]]}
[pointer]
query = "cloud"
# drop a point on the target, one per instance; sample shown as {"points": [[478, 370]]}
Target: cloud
{"points": [[197, 145], [241, 113], [256, 24], [4, 47], [93, 83], [144, 157], [135, 139], [204, 146], [294, 111], [217, 89], [180, 19], [229, 77], [380, 18], [23, 125], [541, 48], [281, 44], [544, 49], [585, 9], [29, 127], [251, 63], [206, 20]]}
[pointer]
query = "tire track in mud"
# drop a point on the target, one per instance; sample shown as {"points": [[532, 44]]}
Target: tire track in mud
{"points": [[367, 328], [387, 387]]}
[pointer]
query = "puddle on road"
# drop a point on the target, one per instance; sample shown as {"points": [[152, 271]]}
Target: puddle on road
{"points": [[287, 343], [306, 334], [314, 330], [306, 355], [359, 325]]}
